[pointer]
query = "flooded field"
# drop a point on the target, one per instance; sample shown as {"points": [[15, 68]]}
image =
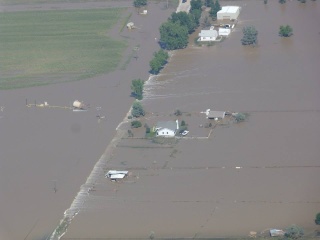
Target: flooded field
{"points": [[252, 176], [48, 153]]}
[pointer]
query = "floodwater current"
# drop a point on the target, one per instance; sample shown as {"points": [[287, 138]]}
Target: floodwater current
{"points": [[252, 176]]}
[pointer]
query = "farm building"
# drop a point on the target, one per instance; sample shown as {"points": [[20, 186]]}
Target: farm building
{"points": [[208, 35], [215, 114], [167, 129], [228, 13], [224, 31]]}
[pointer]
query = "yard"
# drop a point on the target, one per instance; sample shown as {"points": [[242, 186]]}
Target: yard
{"points": [[44, 47]]}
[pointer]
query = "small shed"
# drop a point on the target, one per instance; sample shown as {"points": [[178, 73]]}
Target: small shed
{"points": [[78, 105], [229, 13], [208, 35], [130, 25], [224, 32], [215, 114]]}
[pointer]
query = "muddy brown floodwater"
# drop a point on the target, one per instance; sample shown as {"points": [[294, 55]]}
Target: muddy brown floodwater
{"points": [[48, 153], [188, 189], [252, 176]]}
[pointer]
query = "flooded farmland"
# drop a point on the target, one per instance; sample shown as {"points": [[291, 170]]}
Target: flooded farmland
{"points": [[252, 176], [189, 188]]}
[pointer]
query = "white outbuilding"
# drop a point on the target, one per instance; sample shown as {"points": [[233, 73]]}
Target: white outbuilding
{"points": [[208, 35], [228, 13], [224, 32]]}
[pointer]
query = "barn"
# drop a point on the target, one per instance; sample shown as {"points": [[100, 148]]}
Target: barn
{"points": [[228, 13]]}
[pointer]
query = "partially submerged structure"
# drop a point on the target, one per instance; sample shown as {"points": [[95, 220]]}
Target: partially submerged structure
{"points": [[79, 106], [115, 175], [224, 32], [167, 129], [228, 13], [208, 35], [130, 25], [216, 115], [276, 232]]}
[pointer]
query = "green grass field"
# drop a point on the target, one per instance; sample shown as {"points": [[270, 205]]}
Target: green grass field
{"points": [[44, 47], [12, 2]]}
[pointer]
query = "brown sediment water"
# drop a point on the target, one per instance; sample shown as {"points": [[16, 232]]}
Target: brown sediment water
{"points": [[252, 176], [48, 153]]}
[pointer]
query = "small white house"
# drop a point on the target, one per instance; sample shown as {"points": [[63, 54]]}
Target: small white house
{"points": [[228, 13], [224, 31], [208, 35], [167, 129]]}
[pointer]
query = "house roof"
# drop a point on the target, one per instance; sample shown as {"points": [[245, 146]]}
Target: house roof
{"points": [[229, 9], [208, 33], [216, 114], [172, 125]]}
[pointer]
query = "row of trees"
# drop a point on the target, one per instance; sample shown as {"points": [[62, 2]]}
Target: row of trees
{"points": [[175, 32]]}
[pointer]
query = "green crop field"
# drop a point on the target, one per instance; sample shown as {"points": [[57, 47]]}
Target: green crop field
{"points": [[12, 2], [44, 47]]}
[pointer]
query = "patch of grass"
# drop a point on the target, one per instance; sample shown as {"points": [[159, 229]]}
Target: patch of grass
{"points": [[44, 47]]}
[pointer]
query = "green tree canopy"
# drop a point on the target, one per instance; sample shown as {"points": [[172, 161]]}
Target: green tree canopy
{"points": [[139, 3], [159, 60], [196, 14], [173, 35], [317, 220], [282, 1], [215, 8], [195, 4], [209, 3], [137, 88], [285, 31], [137, 109], [184, 19], [250, 36], [294, 232]]}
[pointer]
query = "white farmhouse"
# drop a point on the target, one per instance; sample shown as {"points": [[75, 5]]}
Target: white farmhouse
{"points": [[167, 129], [228, 13], [208, 35]]}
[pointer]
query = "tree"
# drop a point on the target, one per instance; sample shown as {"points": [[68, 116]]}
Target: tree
{"points": [[209, 3], [184, 19], [294, 232], [196, 14], [137, 109], [159, 60], [173, 35], [240, 117], [282, 1], [195, 4], [136, 124], [250, 36], [265, 1], [137, 88], [285, 31], [139, 3], [215, 8], [317, 220]]}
